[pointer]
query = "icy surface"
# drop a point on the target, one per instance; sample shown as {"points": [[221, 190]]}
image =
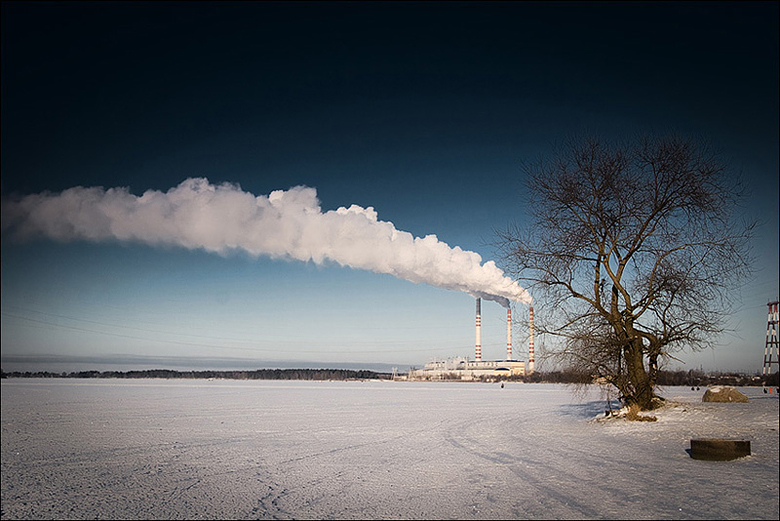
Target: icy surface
{"points": [[194, 449]]}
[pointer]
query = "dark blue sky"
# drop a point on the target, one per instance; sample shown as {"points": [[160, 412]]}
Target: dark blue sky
{"points": [[424, 111]]}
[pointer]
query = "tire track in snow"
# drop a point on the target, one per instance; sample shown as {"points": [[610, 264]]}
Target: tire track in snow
{"points": [[356, 446], [459, 437], [271, 502]]}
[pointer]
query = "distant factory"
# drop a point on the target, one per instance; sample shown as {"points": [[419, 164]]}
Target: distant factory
{"points": [[464, 369]]}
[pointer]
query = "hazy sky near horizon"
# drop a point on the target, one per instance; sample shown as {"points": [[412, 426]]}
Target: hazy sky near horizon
{"points": [[422, 111]]}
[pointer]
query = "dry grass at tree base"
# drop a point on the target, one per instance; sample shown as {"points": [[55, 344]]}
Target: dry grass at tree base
{"points": [[633, 415], [630, 413]]}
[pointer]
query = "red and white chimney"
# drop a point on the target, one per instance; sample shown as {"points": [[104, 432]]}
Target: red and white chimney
{"points": [[478, 350], [508, 333], [531, 341]]}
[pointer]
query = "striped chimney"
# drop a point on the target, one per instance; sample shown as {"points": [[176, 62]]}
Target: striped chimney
{"points": [[508, 334], [478, 352], [531, 341]]}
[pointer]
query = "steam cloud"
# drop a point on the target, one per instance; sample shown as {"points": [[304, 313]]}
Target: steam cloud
{"points": [[286, 224]]}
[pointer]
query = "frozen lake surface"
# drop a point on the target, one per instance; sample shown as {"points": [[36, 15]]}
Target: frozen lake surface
{"points": [[194, 449]]}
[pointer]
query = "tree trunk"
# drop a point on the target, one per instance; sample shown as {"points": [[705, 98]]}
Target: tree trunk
{"points": [[642, 389]]}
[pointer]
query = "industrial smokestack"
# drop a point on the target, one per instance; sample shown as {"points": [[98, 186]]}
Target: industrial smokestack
{"points": [[508, 334], [531, 341], [478, 351]]}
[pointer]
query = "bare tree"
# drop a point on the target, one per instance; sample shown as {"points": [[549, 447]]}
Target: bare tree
{"points": [[632, 249]]}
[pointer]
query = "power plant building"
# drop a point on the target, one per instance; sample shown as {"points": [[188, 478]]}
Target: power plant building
{"points": [[465, 369]]}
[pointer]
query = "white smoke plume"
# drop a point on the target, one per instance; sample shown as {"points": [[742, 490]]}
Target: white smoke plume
{"points": [[287, 224]]}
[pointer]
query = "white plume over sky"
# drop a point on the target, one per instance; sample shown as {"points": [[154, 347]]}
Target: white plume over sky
{"points": [[287, 224]]}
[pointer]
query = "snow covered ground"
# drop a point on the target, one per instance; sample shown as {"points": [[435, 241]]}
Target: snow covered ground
{"points": [[193, 449]]}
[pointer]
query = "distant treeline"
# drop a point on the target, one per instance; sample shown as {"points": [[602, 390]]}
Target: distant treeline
{"points": [[691, 378], [699, 378], [259, 374], [665, 378]]}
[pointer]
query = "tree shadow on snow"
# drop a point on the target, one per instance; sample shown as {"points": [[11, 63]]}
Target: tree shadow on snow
{"points": [[592, 409]]}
